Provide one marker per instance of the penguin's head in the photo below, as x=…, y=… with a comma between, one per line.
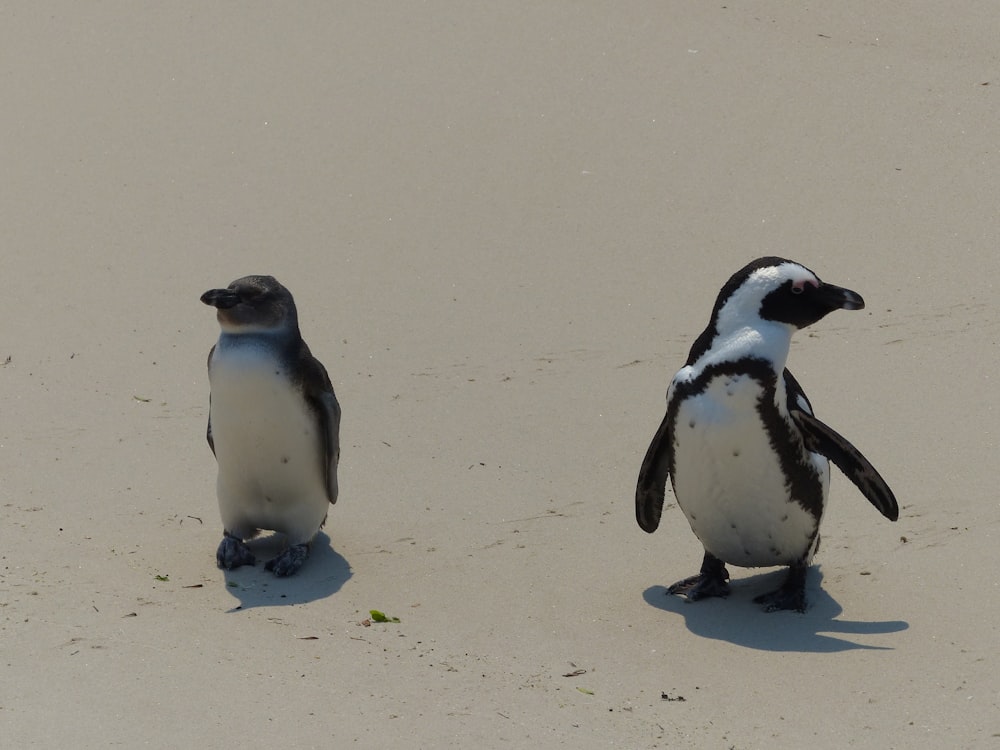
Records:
x=253, y=304
x=780, y=291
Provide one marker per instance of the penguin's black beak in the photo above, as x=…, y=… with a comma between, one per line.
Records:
x=221, y=298
x=838, y=298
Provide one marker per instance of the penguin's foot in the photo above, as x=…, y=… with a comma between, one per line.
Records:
x=289, y=561
x=711, y=581
x=233, y=553
x=791, y=595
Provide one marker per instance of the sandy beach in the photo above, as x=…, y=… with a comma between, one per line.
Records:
x=503, y=224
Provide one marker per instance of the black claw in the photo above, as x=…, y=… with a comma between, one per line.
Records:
x=289, y=561
x=233, y=552
x=791, y=596
x=711, y=581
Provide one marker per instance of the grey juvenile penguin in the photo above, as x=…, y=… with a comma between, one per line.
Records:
x=273, y=424
x=745, y=455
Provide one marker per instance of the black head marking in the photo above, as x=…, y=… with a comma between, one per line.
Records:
x=773, y=289
x=802, y=304
x=704, y=340
x=739, y=278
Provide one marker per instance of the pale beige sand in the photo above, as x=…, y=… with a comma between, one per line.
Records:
x=504, y=226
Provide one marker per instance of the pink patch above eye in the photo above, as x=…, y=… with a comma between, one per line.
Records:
x=801, y=285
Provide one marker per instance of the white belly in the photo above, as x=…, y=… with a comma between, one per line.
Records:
x=729, y=482
x=268, y=448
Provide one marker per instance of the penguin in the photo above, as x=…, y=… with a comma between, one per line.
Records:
x=747, y=459
x=273, y=425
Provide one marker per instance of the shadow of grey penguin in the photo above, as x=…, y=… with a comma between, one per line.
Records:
x=324, y=576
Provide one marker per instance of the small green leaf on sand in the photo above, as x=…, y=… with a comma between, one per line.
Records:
x=585, y=691
x=141, y=399
x=162, y=578
x=381, y=616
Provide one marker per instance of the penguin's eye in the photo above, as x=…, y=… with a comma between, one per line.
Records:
x=797, y=290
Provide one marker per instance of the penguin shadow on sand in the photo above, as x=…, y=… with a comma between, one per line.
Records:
x=322, y=575
x=738, y=620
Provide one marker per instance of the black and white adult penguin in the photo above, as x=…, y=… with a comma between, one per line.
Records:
x=274, y=424
x=746, y=457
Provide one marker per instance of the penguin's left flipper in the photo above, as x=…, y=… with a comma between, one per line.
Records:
x=649, y=491
x=331, y=443
x=823, y=439
x=318, y=391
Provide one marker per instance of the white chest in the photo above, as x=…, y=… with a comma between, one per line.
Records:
x=266, y=438
x=729, y=481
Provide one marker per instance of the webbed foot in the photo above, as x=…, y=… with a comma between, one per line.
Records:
x=233, y=552
x=289, y=561
x=711, y=581
x=791, y=595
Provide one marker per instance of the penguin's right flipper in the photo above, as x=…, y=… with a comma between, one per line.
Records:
x=652, y=483
x=823, y=439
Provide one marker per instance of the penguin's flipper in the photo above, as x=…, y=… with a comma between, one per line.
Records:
x=331, y=442
x=651, y=487
x=318, y=391
x=823, y=439
x=208, y=431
